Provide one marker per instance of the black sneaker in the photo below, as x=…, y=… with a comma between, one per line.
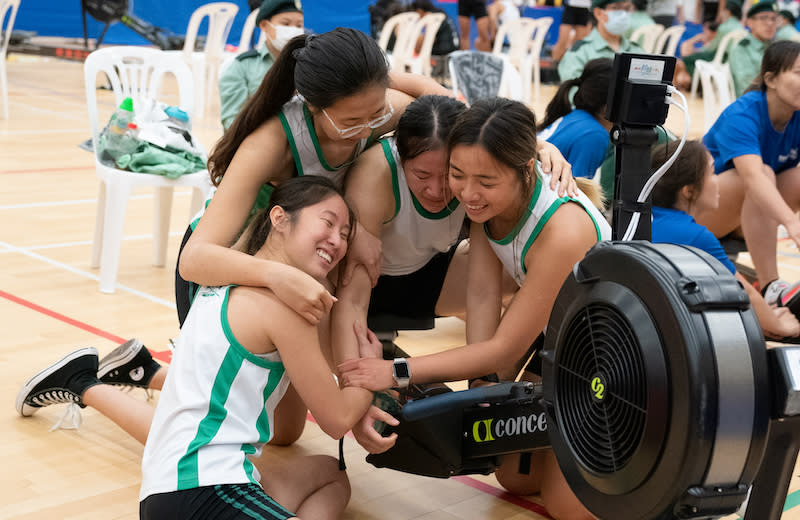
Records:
x=64, y=381
x=130, y=364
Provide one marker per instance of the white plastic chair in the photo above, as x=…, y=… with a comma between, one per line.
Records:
x=401, y=25
x=205, y=64
x=427, y=26
x=530, y=68
x=727, y=42
x=8, y=8
x=245, y=42
x=135, y=72
x=718, y=90
x=478, y=75
x=646, y=36
x=667, y=41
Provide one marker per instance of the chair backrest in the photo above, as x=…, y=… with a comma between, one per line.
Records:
x=715, y=79
x=427, y=27
x=519, y=32
x=479, y=75
x=220, y=19
x=542, y=26
x=6, y=7
x=138, y=73
x=246, y=41
x=646, y=36
x=394, y=25
x=667, y=42
x=727, y=42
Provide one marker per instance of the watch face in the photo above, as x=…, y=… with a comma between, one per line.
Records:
x=401, y=369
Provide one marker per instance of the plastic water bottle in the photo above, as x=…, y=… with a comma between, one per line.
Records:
x=121, y=137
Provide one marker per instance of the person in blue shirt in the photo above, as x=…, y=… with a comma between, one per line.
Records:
x=581, y=134
x=756, y=146
x=688, y=188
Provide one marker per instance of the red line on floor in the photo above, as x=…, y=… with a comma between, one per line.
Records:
x=166, y=356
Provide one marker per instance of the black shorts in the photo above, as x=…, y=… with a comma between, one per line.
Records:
x=220, y=502
x=411, y=295
x=472, y=8
x=575, y=15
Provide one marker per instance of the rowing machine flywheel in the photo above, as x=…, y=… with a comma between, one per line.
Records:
x=655, y=373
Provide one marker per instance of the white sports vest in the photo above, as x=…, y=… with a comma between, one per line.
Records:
x=511, y=249
x=200, y=437
x=413, y=235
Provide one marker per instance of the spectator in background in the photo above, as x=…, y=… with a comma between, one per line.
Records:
x=709, y=11
x=613, y=19
x=575, y=25
x=711, y=36
x=581, y=133
x=786, y=28
x=280, y=20
x=381, y=11
x=664, y=12
x=474, y=9
x=745, y=57
x=639, y=18
x=446, y=40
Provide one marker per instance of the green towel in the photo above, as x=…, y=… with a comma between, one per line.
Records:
x=170, y=162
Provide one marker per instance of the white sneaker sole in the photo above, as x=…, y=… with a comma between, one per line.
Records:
x=119, y=356
x=31, y=383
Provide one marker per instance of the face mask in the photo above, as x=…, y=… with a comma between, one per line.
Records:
x=619, y=21
x=284, y=33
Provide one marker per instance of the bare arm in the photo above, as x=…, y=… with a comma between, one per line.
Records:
x=208, y=258
x=258, y=320
x=525, y=318
x=368, y=189
x=775, y=322
x=416, y=85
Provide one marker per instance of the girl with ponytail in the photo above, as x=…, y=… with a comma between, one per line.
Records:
x=581, y=134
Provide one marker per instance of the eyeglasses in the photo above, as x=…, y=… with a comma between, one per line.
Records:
x=351, y=131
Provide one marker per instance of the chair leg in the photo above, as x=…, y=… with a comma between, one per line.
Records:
x=117, y=194
x=695, y=81
x=162, y=209
x=198, y=199
x=99, y=219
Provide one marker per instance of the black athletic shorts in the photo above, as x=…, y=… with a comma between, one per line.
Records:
x=412, y=295
x=472, y=8
x=220, y=502
x=575, y=15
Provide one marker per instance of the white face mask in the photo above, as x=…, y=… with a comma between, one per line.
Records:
x=619, y=21
x=284, y=33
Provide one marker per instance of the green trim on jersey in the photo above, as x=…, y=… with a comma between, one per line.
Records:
x=288, y=131
x=387, y=152
x=444, y=213
x=313, y=133
x=513, y=233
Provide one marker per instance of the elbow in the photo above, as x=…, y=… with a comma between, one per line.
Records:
x=335, y=427
x=187, y=262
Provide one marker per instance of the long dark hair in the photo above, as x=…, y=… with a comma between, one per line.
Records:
x=322, y=68
x=425, y=125
x=779, y=57
x=689, y=169
x=293, y=196
x=591, y=96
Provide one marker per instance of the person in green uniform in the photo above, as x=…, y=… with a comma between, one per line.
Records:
x=639, y=18
x=745, y=57
x=613, y=19
x=731, y=21
x=280, y=21
x=786, y=29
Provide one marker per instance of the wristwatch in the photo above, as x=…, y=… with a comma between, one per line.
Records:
x=401, y=372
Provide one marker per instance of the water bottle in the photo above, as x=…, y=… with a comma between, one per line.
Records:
x=121, y=137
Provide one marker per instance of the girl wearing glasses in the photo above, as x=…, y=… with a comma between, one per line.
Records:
x=523, y=227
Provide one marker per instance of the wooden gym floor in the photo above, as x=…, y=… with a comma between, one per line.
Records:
x=50, y=305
